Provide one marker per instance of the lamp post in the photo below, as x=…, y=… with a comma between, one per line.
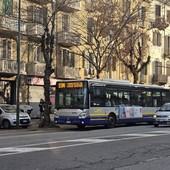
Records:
x=18, y=62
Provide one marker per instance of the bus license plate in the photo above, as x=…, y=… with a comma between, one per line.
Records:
x=68, y=122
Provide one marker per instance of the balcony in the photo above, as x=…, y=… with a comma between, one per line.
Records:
x=69, y=5
x=68, y=38
x=10, y=24
x=8, y=66
x=35, y=30
x=159, y=79
x=68, y=72
x=35, y=69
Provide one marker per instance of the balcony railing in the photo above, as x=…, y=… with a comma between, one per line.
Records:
x=67, y=72
x=8, y=66
x=69, y=5
x=35, y=29
x=68, y=38
x=159, y=79
x=11, y=24
x=41, y=1
x=35, y=69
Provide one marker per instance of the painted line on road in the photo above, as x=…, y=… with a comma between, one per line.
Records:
x=86, y=141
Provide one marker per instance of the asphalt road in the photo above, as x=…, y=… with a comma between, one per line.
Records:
x=96, y=148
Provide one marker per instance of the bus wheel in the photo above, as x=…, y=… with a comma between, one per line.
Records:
x=111, y=121
x=156, y=125
x=81, y=126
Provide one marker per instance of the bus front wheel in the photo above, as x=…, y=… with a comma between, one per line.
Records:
x=81, y=126
x=111, y=121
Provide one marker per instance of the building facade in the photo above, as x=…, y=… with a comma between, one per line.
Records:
x=67, y=62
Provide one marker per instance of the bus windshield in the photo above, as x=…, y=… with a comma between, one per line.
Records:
x=71, y=95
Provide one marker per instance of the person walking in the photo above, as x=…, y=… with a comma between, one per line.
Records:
x=41, y=106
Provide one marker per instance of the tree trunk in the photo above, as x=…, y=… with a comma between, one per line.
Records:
x=135, y=76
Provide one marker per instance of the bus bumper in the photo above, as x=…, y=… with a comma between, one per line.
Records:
x=71, y=120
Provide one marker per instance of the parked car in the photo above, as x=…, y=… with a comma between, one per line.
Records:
x=162, y=116
x=8, y=117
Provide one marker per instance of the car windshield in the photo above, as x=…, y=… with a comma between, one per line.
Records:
x=165, y=107
x=9, y=109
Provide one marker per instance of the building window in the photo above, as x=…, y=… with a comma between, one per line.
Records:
x=156, y=38
x=7, y=7
x=37, y=14
x=65, y=23
x=158, y=67
x=157, y=11
x=90, y=24
x=142, y=15
x=168, y=68
x=37, y=54
x=5, y=49
x=88, y=5
x=68, y=58
x=168, y=16
x=126, y=6
x=167, y=45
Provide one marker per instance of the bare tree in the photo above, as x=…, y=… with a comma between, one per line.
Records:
x=100, y=28
x=47, y=47
x=133, y=51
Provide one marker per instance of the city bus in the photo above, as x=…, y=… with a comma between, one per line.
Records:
x=107, y=102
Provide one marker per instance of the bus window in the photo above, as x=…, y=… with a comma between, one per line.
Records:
x=165, y=97
x=124, y=97
x=148, y=99
x=156, y=99
x=97, y=97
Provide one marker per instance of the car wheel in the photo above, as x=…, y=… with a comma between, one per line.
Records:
x=24, y=127
x=6, y=124
x=156, y=125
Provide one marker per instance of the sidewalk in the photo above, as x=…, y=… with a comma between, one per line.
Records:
x=30, y=130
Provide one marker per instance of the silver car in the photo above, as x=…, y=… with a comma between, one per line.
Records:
x=8, y=117
x=162, y=116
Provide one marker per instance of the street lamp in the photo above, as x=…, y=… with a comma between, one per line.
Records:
x=18, y=62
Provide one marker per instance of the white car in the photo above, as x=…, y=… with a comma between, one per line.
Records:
x=162, y=116
x=8, y=117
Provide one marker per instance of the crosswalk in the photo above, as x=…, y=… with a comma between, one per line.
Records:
x=37, y=147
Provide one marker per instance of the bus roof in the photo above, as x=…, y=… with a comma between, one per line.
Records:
x=105, y=82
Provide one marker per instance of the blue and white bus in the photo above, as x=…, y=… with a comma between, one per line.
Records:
x=107, y=102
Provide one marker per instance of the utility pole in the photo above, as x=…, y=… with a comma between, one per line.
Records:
x=18, y=61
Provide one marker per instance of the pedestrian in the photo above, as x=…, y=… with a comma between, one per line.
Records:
x=41, y=106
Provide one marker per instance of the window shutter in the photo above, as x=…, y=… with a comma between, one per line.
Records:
x=168, y=16
x=154, y=38
x=159, y=39
x=168, y=69
x=166, y=45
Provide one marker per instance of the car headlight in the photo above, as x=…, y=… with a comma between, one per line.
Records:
x=168, y=116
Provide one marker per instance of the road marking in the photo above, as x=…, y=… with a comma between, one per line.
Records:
x=77, y=142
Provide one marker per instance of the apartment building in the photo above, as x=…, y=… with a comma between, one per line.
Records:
x=67, y=62
x=160, y=42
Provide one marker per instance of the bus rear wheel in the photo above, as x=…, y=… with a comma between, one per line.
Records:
x=111, y=121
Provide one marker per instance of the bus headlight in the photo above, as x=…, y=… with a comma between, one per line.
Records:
x=82, y=115
x=154, y=116
x=55, y=112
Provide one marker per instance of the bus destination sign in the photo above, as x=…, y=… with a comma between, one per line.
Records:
x=70, y=85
